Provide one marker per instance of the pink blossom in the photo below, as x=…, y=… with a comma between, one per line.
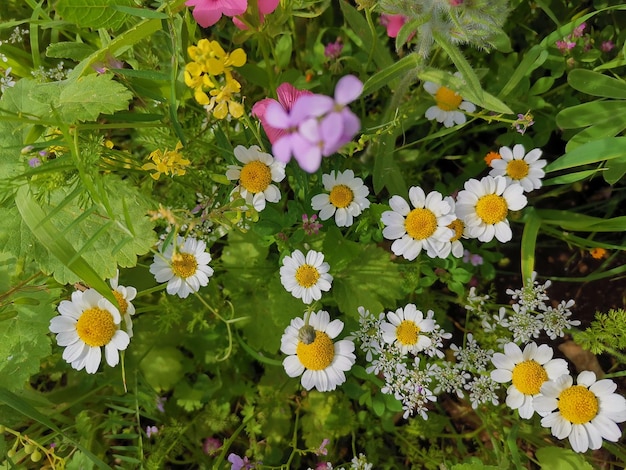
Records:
x=393, y=23
x=312, y=227
x=316, y=126
x=265, y=7
x=209, y=12
x=565, y=46
x=579, y=30
x=287, y=96
x=333, y=49
x=607, y=46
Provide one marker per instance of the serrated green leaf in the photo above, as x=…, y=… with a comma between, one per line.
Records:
x=69, y=50
x=87, y=97
x=557, y=458
x=93, y=13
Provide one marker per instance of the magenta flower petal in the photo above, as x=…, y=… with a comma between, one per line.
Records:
x=268, y=6
x=312, y=105
x=288, y=94
x=276, y=116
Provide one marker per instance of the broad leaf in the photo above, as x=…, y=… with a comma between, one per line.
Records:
x=93, y=13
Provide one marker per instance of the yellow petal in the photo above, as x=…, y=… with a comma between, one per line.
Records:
x=237, y=58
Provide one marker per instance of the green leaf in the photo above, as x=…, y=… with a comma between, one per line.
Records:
x=163, y=368
x=69, y=50
x=87, y=97
x=532, y=60
x=532, y=222
x=596, y=84
x=615, y=170
x=571, y=177
x=594, y=113
x=463, y=66
x=140, y=12
x=93, y=13
x=569, y=220
x=388, y=74
x=283, y=50
x=592, y=152
x=557, y=458
x=25, y=341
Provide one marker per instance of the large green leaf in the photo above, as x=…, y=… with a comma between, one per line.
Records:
x=595, y=113
x=596, y=84
x=87, y=243
x=24, y=318
x=93, y=13
x=591, y=152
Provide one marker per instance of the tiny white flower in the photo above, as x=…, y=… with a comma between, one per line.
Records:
x=484, y=205
x=423, y=228
x=306, y=277
x=527, y=371
x=449, y=105
x=184, y=265
x=585, y=413
x=346, y=198
x=255, y=178
x=520, y=167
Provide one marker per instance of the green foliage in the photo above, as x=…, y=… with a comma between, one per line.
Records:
x=561, y=459
x=94, y=13
x=607, y=333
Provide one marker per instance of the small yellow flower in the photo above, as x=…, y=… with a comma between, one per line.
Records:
x=168, y=162
x=597, y=253
x=222, y=103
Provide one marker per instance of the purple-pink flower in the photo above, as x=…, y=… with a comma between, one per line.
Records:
x=607, y=46
x=287, y=96
x=316, y=126
x=311, y=226
x=333, y=49
x=237, y=463
x=209, y=12
x=393, y=23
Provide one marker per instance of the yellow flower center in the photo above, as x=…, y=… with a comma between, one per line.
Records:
x=420, y=223
x=528, y=377
x=255, y=176
x=184, y=265
x=492, y=209
x=341, y=196
x=578, y=405
x=407, y=332
x=457, y=225
x=121, y=302
x=307, y=275
x=447, y=99
x=517, y=169
x=96, y=327
x=317, y=355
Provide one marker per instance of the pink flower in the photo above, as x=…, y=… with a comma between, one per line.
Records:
x=317, y=125
x=565, y=46
x=265, y=7
x=287, y=96
x=209, y=12
x=333, y=49
x=607, y=46
x=393, y=23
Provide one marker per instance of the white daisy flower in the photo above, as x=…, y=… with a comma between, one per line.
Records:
x=259, y=170
x=124, y=296
x=586, y=412
x=404, y=328
x=88, y=322
x=425, y=227
x=528, y=371
x=184, y=265
x=306, y=278
x=448, y=104
x=483, y=206
x=457, y=226
x=520, y=167
x=346, y=199
x=312, y=353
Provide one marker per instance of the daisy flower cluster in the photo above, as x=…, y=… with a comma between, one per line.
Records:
x=209, y=61
x=394, y=344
